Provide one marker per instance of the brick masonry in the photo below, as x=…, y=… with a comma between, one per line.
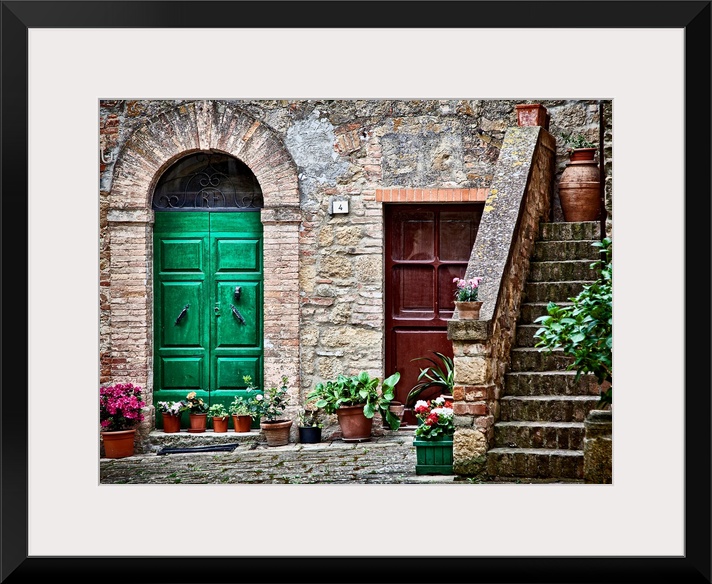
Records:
x=324, y=290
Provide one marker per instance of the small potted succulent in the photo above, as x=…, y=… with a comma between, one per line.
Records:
x=309, y=423
x=197, y=413
x=170, y=413
x=219, y=416
x=120, y=410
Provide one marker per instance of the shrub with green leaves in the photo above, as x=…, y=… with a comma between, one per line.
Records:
x=584, y=329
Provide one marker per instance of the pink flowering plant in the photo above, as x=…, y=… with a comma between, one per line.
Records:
x=467, y=290
x=172, y=408
x=120, y=407
x=435, y=419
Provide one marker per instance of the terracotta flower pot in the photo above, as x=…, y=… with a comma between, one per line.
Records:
x=468, y=310
x=171, y=423
x=220, y=424
x=277, y=432
x=242, y=423
x=198, y=423
x=355, y=426
x=119, y=443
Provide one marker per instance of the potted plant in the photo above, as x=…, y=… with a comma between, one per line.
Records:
x=120, y=410
x=269, y=408
x=355, y=400
x=197, y=413
x=219, y=416
x=440, y=376
x=171, y=412
x=580, y=184
x=434, y=436
x=467, y=293
x=309, y=424
x=241, y=414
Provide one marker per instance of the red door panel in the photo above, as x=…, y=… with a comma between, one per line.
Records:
x=426, y=247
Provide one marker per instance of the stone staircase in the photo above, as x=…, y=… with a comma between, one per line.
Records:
x=539, y=436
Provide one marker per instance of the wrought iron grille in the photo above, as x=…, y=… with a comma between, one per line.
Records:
x=208, y=181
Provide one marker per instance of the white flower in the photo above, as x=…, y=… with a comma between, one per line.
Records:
x=439, y=401
x=421, y=403
x=259, y=397
x=445, y=412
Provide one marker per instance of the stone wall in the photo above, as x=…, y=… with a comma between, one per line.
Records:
x=324, y=295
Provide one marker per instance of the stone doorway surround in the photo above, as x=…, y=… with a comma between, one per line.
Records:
x=127, y=292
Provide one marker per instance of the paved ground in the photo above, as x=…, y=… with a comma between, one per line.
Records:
x=381, y=460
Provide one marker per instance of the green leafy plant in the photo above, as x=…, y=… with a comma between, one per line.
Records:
x=440, y=374
x=239, y=407
x=217, y=411
x=584, y=328
x=309, y=418
x=247, y=405
x=270, y=405
x=359, y=389
x=574, y=141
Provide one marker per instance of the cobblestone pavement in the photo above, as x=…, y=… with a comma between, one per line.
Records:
x=381, y=460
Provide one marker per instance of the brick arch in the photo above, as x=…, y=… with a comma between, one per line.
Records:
x=149, y=150
x=200, y=126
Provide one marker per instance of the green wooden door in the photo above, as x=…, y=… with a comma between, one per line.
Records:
x=208, y=305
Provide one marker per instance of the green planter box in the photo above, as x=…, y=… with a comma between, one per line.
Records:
x=433, y=456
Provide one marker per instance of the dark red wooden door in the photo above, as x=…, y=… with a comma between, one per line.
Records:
x=426, y=247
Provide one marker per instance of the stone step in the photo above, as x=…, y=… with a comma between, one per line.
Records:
x=550, y=383
x=562, y=231
x=530, y=311
x=556, y=435
x=525, y=335
x=549, y=251
x=535, y=463
x=535, y=359
x=552, y=291
x=158, y=439
x=562, y=271
x=546, y=408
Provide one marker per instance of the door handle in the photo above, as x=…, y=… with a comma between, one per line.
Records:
x=236, y=314
x=182, y=313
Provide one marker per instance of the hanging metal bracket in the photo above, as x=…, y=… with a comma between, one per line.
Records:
x=182, y=313
x=237, y=314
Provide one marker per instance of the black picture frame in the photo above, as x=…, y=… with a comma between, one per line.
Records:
x=692, y=16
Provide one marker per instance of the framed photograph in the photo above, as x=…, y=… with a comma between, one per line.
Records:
x=650, y=59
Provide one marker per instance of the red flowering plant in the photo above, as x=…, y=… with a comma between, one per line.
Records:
x=435, y=419
x=120, y=407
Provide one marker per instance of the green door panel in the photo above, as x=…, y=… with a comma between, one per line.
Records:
x=208, y=305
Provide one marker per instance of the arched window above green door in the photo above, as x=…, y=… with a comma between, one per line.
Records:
x=208, y=181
